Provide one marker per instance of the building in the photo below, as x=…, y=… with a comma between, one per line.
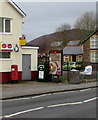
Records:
x=13, y=48
x=72, y=52
x=90, y=50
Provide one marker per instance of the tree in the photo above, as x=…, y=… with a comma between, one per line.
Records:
x=63, y=27
x=87, y=21
x=60, y=38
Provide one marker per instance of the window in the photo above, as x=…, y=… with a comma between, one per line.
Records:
x=94, y=42
x=80, y=58
x=94, y=56
x=1, y=24
x=5, y=25
x=66, y=58
x=5, y=55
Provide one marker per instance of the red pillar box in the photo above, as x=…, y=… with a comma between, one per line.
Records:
x=14, y=73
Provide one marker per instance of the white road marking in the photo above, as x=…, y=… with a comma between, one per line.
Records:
x=18, y=113
x=25, y=98
x=75, y=103
x=64, y=92
x=41, y=95
x=64, y=104
x=85, y=90
x=51, y=106
x=90, y=99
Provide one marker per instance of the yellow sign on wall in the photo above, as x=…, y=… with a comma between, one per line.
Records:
x=22, y=42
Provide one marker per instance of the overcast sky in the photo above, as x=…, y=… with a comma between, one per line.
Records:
x=44, y=17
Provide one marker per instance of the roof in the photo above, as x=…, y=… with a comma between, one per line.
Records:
x=76, y=42
x=72, y=50
x=17, y=8
x=89, y=36
x=29, y=47
x=56, y=43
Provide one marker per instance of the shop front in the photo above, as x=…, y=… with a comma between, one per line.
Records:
x=24, y=57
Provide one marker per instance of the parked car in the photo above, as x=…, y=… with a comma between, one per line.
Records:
x=72, y=65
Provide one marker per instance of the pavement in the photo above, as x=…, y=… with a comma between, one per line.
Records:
x=32, y=88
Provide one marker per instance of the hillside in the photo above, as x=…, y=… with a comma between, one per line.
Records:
x=44, y=42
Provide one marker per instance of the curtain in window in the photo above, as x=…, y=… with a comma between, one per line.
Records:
x=94, y=42
x=94, y=56
x=7, y=26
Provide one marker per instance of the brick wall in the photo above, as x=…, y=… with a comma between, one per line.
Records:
x=86, y=52
x=86, y=55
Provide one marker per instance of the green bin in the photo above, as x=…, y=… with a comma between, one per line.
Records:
x=43, y=73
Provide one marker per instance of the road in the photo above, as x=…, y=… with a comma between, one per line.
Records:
x=71, y=104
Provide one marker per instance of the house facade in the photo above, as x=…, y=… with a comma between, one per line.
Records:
x=73, y=52
x=12, y=51
x=90, y=50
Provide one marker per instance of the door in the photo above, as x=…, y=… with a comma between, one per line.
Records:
x=73, y=58
x=26, y=67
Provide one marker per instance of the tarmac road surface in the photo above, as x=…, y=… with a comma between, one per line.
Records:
x=71, y=104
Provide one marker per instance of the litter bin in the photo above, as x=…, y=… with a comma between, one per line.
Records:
x=74, y=77
x=43, y=73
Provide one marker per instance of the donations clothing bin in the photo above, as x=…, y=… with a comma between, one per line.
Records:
x=14, y=73
x=43, y=72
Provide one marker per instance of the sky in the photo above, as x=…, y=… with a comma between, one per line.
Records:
x=45, y=16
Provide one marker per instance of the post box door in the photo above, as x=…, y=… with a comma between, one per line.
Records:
x=26, y=67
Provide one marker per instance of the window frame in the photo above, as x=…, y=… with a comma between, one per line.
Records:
x=93, y=42
x=66, y=57
x=93, y=56
x=6, y=58
x=4, y=27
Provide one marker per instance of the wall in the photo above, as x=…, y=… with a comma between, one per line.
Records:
x=16, y=57
x=12, y=38
x=86, y=55
x=86, y=51
x=17, y=60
